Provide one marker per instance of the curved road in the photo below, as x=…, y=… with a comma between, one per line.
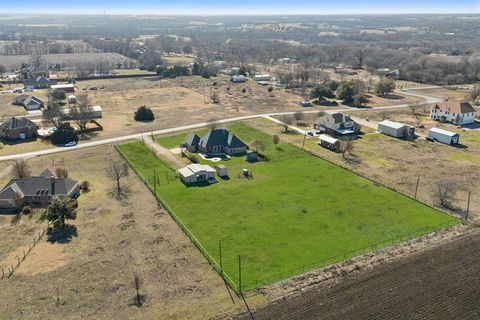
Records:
x=427, y=99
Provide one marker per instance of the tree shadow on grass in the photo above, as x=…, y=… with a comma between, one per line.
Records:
x=61, y=235
x=121, y=195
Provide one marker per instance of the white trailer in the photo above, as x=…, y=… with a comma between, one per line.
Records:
x=443, y=136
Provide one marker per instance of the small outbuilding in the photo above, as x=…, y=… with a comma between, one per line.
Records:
x=68, y=87
x=222, y=171
x=197, y=173
x=252, y=156
x=72, y=99
x=443, y=136
x=329, y=142
x=396, y=129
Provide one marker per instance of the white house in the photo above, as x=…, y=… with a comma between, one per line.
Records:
x=96, y=112
x=197, y=173
x=396, y=129
x=68, y=87
x=455, y=112
x=443, y=136
x=336, y=124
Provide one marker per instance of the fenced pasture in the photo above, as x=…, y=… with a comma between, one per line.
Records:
x=298, y=212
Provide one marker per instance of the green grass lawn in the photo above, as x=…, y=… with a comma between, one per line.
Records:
x=297, y=211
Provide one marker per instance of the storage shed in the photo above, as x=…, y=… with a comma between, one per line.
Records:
x=222, y=171
x=329, y=142
x=396, y=129
x=197, y=173
x=443, y=136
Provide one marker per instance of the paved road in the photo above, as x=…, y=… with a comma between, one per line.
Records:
x=342, y=108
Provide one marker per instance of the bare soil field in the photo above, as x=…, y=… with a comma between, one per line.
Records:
x=438, y=283
x=90, y=274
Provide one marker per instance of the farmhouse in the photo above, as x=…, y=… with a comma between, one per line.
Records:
x=337, y=124
x=28, y=102
x=455, y=112
x=69, y=87
x=443, y=136
x=215, y=141
x=396, y=129
x=329, y=142
x=18, y=129
x=197, y=173
x=36, y=191
x=39, y=82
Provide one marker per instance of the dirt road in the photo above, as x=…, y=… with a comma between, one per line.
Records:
x=441, y=283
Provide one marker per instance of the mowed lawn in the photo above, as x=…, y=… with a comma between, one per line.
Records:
x=297, y=211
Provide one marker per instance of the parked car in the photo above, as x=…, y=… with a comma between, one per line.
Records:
x=310, y=133
x=70, y=144
x=305, y=104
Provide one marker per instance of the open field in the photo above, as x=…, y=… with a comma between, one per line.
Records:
x=177, y=60
x=439, y=283
x=320, y=210
x=398, y=163
x=91, y=275
x=64, y=58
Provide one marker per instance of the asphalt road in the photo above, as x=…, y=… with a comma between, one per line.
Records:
x=427, y=99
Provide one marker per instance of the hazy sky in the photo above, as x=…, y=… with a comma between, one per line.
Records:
x=240, y=6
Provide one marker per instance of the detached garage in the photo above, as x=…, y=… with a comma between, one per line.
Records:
x=443, y=136
x=396, y=129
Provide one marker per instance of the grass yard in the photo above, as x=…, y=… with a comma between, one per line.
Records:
x=297, y=211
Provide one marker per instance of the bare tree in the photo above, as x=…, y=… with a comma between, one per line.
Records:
x=445, y=192
x=215, y=98
x=413, y=107
x=286, y=121
x=346, y=147
x=257, y=145
x=116, y=171
x=474, y=94
x=82, y=112
x=20, y=169
x=298, y=115
x=61, y=173
x=54, y=114
x=276, y=140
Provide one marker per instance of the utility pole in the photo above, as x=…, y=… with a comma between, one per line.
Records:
x=416, y=188
x=468, y=206
x=304, y=137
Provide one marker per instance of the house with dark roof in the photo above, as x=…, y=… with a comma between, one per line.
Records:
x=215, y=141
x=456, y=112
x=337, y=124
x=28, y=102
x=17, y=128
x=40, y=82
x=36, y=191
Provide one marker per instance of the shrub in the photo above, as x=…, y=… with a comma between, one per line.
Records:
x=85, y=186
x=144, y=113
x=26, y=210
x=64, y=134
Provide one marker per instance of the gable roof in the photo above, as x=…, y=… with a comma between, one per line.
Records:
x=35, y=186
x=25, y=99
x=47, y=174
x=18, y=123
x=192, y=139
x=455, y=106
x=221, y=137
x=340, y=117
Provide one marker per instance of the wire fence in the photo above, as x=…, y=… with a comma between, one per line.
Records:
x=7, y=271
x=240, y=287
x=216, y=266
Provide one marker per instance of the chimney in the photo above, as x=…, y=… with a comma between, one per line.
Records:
x=52, y=182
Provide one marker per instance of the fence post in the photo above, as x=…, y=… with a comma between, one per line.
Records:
x=239, y=274
x=468, y=206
